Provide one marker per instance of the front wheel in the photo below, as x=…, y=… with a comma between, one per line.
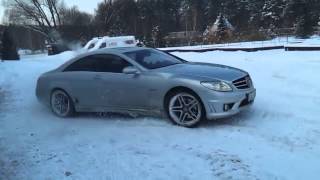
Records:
x=61, y=104
x=185, y=109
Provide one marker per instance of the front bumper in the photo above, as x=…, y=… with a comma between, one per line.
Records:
x=225, y=104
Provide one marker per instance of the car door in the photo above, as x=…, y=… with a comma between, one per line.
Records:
x=81, y=77
x=119, y=90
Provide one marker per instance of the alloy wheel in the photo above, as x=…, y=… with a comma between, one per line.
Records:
x=60, y=103
x=185, y=109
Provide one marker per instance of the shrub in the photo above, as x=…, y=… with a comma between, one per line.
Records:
x=9, y=48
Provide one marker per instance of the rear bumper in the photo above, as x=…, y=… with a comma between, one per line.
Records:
x=222, y=105
x=42, y=93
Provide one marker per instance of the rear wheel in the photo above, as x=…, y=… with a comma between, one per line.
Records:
x=61, y=104
x=185, y=109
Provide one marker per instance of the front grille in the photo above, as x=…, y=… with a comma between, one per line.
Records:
x=243, y=83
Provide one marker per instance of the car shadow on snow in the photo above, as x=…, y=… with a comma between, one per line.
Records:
x=124, y=118
x=240, y=119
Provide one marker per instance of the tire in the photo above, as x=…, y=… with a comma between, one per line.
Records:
x=61, y=104
x=185, y=109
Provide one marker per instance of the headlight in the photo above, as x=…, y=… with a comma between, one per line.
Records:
x=217, y=86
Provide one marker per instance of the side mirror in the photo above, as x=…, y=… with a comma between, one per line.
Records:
x=130, y=70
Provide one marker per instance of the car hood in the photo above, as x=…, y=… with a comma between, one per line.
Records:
x=205, y=71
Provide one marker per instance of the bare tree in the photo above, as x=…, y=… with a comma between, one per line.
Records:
x=40, y=15
x=74, y=17
x=106, y=14
x=109, y=12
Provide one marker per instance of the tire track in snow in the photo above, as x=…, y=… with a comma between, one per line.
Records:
x=222, y=164
x=12, y=157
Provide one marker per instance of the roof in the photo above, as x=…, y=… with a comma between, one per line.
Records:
x=117, y=50
x=120, y=49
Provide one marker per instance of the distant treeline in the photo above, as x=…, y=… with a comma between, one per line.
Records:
x=25, y=38
x=152, y=20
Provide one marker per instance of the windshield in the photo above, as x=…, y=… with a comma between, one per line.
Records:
x=152, y=59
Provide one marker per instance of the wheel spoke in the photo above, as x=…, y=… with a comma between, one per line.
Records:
x=60, y=103
x=56, y=104
x=177, y=111
x=193, y=104
x=183, y=117
x=192, y=115
x=181, y=101
x=61, y=108
x=176, y=108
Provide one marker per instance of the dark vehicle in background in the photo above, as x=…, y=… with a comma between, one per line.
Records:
x=57, y=48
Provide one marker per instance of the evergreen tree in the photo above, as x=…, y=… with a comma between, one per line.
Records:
x=237, y=13
x=213, y=8
x=300, y=14
x=146, y=20
x=139, y=17
x=304, y=26
x=223, y=29
x=254, y=8
x=9, y=48
x=271, y=14
x=314, y=9
x=155, y=36
x=292, y=11
x=194, y=14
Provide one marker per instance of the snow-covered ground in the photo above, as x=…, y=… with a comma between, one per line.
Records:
x=314, y=41
x=278, y=138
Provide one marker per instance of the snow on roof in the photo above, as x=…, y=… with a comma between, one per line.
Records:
x=93, y=41
x=110, y=42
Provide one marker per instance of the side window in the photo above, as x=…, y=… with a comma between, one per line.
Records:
x=83, y=64
x=110, y=63
x=103, y=45
x=99, y=63
x=91, y=46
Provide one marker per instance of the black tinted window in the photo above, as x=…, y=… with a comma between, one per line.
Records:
x=84, y=64
x=91, y=46
x=110, y=63
x=152, y=59
x=99, y=63
x=103, y=45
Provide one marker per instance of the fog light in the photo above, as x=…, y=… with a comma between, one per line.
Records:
x=227, y=107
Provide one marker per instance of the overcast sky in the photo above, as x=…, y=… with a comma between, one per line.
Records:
x=84, y=5
x=1, y=11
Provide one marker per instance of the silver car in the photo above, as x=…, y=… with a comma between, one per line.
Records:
x=145, y=81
